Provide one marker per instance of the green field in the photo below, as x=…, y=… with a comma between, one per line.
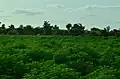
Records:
x=59, y=57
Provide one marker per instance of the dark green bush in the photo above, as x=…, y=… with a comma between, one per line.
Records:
x=37, y=55
x=11, y=66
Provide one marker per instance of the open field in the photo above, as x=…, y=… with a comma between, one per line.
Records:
x=59, y=57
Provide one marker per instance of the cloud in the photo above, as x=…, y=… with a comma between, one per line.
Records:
x=118, y=21
x=98, y=6
x=55, y=6
x=90, y=14
x=5, y=16
x=28, y=12
x=1, y=11
x=89, y=7
x=68, y=9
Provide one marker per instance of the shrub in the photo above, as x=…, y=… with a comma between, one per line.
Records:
x=50, y=70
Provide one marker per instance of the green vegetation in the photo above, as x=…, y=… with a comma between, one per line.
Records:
x=49, y=29
x=59, y=57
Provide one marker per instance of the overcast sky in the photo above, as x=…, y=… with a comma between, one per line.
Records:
x=91, y=13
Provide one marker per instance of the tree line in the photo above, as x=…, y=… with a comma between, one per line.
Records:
x=48, y=29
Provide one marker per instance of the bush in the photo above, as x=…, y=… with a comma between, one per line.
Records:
x=37, y=55
x=50, y=70
x=10, y=66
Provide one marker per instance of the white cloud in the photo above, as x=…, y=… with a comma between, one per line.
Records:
x=88, y=7
x=5, y=16
x=28, y=12
x=68, y=9
x=99, y=6
x=55, y=6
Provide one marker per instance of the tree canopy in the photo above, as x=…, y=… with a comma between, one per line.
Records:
x=49, y=29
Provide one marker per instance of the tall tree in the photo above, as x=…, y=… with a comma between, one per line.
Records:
x=105, y=31
x=11, y=27
x=47, y=28
x=95, y=31
x=78, y=29
x=11, y=30
x=3, y=29
x=28, y=30
x=115, y=32
x=20, y=30
x=108, y=28
x=55, y=29
x=38, y=30
x=3, y=26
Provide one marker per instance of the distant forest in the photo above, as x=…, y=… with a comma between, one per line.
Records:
x=48, y=29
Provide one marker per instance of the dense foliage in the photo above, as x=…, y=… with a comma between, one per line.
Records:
x=49, y=29
x=59, y=57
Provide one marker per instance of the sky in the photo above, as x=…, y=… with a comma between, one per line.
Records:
x=91, y=13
